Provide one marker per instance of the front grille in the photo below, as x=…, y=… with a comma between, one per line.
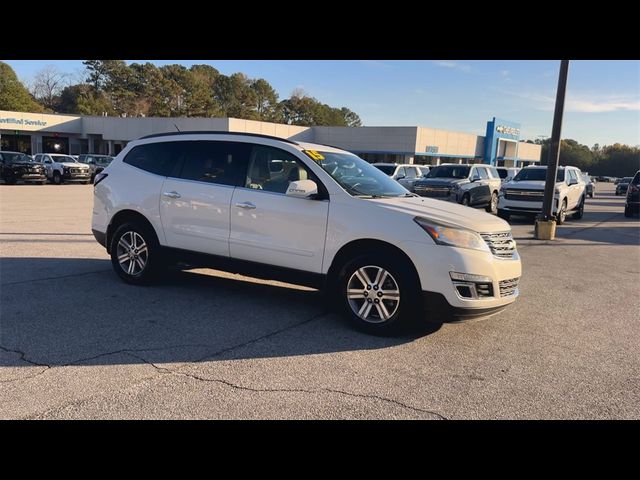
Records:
x=501, y=244
x=432, y=191
x=509, y=287
x=524, y=195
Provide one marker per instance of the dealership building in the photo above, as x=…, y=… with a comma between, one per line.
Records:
x=72, y=134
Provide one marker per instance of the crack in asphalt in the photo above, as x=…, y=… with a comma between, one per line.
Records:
x=26, y=360
x=53, y=278
x=236, y=386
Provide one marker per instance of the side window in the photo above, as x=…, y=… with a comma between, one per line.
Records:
x=411, y=172
x=401, y=172
x=272, y=169
x=222, y=163
x=494, y=172
x=572, y=176
x=155, y=158
x=47, y=159
x=473, y=174
x=483, y=172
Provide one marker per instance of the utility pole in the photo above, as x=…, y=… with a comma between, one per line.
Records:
x=546, y=223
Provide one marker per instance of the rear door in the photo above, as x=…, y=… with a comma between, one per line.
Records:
x=480, y=192
x=270, y=227
x=196, y=196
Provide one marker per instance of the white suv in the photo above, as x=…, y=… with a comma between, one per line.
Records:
x=525, y=192
x=303, y=213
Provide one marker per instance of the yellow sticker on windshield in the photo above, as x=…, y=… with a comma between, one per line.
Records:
x=315, y=155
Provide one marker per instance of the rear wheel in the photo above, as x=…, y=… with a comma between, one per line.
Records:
x=379, y=294
x=493, y=203
x=561, y=217
x=627, y=211
x=135, y=254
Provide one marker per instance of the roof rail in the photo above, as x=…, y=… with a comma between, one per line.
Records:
x=218, y=132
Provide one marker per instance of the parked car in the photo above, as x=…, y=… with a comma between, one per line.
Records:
x=622, y=185
x=405, y=174
x=304, y=213
x=590, y=184
x=525, y=193
x=507, y=173
x=632, y=201
x=96, y=162
x=63, y=168
x=19, y=167
x=424, y=170
x=470, y=185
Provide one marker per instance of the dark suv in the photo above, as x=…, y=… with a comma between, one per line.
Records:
x=471, y=185
x=96, y=162
x=632, y=202
x=16, y=166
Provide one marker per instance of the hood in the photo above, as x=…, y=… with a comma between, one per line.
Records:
x=526, y=185
x=74, y=165
x=448, y=212
x=440, y=181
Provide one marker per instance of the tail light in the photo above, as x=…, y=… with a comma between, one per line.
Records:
x=99, y=177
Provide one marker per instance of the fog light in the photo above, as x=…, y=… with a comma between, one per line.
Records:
x=469, y=277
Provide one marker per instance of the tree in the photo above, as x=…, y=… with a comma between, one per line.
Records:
x=266, y=100
x=351, y=119
x=48, y=85
x=14, y=95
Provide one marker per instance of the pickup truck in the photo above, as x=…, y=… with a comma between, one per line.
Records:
x=63, y=168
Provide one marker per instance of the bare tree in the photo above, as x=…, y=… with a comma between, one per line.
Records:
x=48, y=84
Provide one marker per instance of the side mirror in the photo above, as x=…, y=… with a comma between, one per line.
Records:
x=302, y=189
x=400, y=176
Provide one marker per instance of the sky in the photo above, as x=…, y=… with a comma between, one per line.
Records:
x=602, y=105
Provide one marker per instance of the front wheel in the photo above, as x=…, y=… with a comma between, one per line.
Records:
x=561, y=217
x=135, y=254
x=57, y=178
x=580, y=212
x=379, y=294
x=493, y=203
x=466, y=200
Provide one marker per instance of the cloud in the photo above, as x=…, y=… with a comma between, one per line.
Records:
x=375, y=64
x=581, y=102
x=455, y=65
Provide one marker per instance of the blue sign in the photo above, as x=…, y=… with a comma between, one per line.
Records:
x=498, y=129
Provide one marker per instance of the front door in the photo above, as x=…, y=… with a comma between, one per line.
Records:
x=269, y=227
x=196, y=198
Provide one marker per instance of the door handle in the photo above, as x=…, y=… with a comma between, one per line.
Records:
x=246, y=205
x=172, y=194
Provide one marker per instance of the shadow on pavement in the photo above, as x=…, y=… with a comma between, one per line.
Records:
x=76, y=311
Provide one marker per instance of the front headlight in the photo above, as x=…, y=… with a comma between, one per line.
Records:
x=452, y=236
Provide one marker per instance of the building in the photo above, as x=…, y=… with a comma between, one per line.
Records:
x=36, y=132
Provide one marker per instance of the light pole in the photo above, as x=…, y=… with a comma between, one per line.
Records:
x=546, y=223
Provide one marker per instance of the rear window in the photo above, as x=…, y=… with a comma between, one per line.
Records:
x=155, y=158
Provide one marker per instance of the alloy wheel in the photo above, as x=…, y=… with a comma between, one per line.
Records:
x=373, y=294
x=132, y=253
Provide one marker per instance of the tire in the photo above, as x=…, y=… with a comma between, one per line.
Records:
x=580, y=212
x=627, y=211
x=465, y=200
x=561, y=217
x=148, y=263
x=365, y=306
x=57, y=178
x=504, y=215
x=493, y=204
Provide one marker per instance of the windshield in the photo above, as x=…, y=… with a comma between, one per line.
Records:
x=63, y=158
x=537, y=174
x=14, y=157
x=358, y=177
x=388, y=169
x=449, y=171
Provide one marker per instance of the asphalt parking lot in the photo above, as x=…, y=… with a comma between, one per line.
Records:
x=76, y=342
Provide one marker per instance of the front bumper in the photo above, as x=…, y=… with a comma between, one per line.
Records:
x=435, y=262
x=439, y=310
x=76, y=177
x=33, y=177
x=525, y=207
x=100, y=237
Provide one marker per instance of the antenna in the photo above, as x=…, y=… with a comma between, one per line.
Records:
x=176, y=127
